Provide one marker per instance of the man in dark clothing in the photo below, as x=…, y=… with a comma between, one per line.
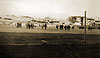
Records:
x=28, y=25
x=65, y=27
x=62, y=27
x=73, y=27
x=19, y=24
x=69, y=27
x=57, y=26
x=32, y=24
x=45, y=26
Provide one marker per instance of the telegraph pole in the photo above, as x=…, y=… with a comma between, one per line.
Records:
x=85, y=29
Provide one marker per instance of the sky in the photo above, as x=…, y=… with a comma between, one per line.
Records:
x=50, y=8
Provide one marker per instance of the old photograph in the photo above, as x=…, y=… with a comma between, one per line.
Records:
x=49, y=28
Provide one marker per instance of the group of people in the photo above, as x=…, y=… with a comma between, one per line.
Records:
x=44, y=26
x=19, y=24
x=61, y=27
x=30, y=25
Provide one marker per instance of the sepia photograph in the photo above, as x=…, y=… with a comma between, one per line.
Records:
x=49, y=28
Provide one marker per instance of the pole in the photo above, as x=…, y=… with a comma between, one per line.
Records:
x=85, y=29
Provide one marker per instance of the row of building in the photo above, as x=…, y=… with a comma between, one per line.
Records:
x=80, y=21
x=74, y=20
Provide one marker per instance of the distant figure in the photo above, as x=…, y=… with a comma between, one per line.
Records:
x=45, y=26
x=42, y=26
x=28, y=25
x=68, y=27
x=89, y=27
x=39, y=25
x=65, y=27
x=56, y=26
x=19, y=24
x=61, y=27
x=73, y=27
x=32, y=24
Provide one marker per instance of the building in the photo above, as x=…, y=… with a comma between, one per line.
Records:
x=97, y=22
x=80, y=20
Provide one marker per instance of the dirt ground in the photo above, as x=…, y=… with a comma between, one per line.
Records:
x=8, y=28
x=22, y=36
x=50, y=43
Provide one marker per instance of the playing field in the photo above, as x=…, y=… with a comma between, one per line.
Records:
x=50, y=43
x=8, y=28
x=11, y=35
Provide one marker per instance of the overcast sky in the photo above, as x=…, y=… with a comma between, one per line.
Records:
x=52, y=8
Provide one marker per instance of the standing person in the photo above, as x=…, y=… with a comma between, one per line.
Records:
x=32, y=24
x=42, y=26
x=69, y=27
x=45, y=26
x=27, y=25
x=65, y=27
x=62, y=27
x=57, y=27
x=73, y=27
x=19, y=24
